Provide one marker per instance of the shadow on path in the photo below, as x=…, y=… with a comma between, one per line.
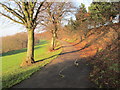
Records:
x=63, y=53
x=61, y=72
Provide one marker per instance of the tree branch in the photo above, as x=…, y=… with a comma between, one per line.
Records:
x=43, y=24
x=12, y=11
x=36, y=15
x=18, y=3
x=11, y=18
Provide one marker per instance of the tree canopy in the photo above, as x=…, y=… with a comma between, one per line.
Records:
x=102, y=12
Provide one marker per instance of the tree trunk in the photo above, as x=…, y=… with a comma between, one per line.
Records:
x=54, y=36
x=94, y=24
x=30, y=49
x=53, y=42
x=110, y=21
x=81, y=39
x=119, y=18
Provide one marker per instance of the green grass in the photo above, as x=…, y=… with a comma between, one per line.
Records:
x=12, y=73
x=71, y=40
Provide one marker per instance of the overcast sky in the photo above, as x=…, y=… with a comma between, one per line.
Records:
x=10, y=28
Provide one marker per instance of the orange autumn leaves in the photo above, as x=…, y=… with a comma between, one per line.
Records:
x=96, y=42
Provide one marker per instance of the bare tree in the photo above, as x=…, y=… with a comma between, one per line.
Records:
x=53, y=16
x=25, y=13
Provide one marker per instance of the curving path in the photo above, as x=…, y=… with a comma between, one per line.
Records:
x=63, y=72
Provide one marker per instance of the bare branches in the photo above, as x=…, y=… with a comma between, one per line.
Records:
x=11, y=18
x=57, y=11
x=38, y=10
x=8, y=9
x=43, y=24
x=20, y=11
x=26, y=12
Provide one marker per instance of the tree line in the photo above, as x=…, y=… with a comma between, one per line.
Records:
x=98, y=14
x=16, y=42
x=50, y=15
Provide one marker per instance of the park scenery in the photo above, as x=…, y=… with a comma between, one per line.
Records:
x=63, y=45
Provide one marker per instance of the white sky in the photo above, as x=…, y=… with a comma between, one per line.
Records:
x=10, y=28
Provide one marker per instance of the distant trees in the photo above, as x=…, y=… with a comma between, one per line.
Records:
x=82, y=21
x=16, y=42
x=25, y=13
x=80, y=25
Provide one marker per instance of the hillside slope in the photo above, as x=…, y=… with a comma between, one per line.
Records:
x=100, y=49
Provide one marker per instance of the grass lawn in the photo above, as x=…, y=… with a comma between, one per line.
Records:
x=70, y=40
x=12, y=73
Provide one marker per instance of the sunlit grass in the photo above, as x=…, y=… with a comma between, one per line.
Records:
x=70, y=40
x=12, y=73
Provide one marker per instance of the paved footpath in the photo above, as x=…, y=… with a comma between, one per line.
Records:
x=63, y=72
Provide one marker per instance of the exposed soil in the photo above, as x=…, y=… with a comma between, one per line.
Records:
x=67, y=71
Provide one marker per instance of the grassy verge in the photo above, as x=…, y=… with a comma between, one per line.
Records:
x=12, y=73
x=70, y=40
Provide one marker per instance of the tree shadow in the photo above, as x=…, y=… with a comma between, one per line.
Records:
x=77, y=43
x=18, y=51
x=63, y=53
x=23, y=50
x=74, y=50
x=46, y=58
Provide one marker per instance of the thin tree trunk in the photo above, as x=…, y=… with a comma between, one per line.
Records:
x=110, y=21
x=30, y=49
x=94, y=24
x=119, y=18
x=53, y=42
x=81, y=39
